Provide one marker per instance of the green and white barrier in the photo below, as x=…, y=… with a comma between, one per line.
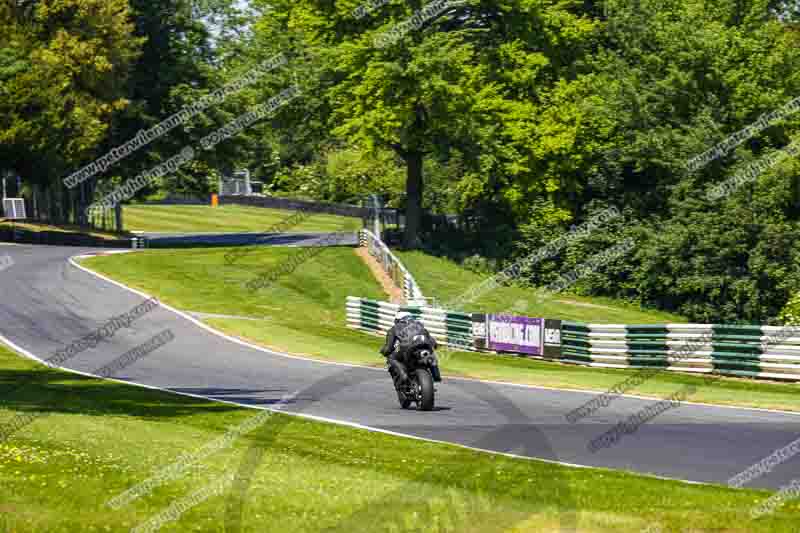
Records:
x=747, y=351
x=768, y=352
x=449, y=328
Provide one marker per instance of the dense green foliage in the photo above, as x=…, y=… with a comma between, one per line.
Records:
x=81, y=77
x=63, y=73
x=520, y=116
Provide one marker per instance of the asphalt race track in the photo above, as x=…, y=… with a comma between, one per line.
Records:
x=47, y=303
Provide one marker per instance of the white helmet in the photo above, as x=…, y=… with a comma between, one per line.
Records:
x=401, y=315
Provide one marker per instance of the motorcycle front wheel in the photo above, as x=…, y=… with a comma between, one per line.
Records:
x=423, y=389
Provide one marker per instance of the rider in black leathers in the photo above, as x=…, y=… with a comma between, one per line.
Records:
x=395, y=351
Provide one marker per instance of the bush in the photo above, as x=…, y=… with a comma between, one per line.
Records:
x=480, y=265
x=737, y=261
x=345, y=175
x=790, y=315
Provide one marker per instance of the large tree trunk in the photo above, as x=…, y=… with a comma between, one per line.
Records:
x=414, y=188
x=118, y=227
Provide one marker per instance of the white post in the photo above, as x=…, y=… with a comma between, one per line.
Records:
x=247, y=189
x=377, y=222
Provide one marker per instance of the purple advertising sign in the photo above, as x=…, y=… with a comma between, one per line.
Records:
x=508, y=333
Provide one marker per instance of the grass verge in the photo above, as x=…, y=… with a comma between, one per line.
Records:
x=304, y=313
x=93, y=439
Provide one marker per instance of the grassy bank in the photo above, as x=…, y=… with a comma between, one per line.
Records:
x=304, y=313
x=225, y=219
x=100, y=438
x=447, y=282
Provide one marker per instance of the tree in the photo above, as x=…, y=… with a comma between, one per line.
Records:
x=457, y=83
x=63, y=69
x=176, y=67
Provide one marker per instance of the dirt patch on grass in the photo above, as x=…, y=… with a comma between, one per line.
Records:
x=393, y=291
x=584, y=304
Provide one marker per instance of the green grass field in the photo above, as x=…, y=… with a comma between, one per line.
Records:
x=304, y=313
x=446, y=281
x=225, y=219
x=91, y=440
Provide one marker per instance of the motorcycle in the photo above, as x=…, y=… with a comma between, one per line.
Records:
x=422, y=368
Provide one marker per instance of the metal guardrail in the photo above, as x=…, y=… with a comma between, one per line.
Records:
x=400, y=275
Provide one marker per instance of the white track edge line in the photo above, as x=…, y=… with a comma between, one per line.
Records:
x=348, y=423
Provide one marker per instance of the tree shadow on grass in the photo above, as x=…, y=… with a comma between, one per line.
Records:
x=51, y=392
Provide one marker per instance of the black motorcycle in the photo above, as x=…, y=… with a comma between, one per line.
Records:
x=422, y=368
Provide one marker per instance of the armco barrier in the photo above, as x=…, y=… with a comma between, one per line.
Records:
x=392, y=266
x=747, y=351
x=448, y=328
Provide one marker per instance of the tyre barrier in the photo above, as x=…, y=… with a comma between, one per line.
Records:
x=766, y=352
x=449, y=328
x=771, y=352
